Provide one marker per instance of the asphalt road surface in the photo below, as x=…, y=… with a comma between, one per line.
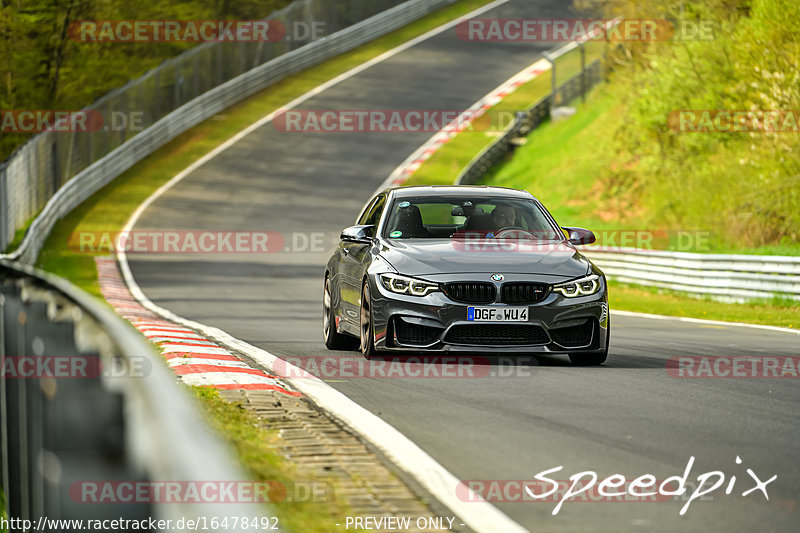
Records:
x=629, y=417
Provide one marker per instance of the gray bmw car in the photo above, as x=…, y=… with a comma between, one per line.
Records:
x=464, y=269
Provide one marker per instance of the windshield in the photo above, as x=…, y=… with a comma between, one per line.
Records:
x=436, y=217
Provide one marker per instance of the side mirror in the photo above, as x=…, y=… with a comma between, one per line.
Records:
x=579, y=235
x=362, y=234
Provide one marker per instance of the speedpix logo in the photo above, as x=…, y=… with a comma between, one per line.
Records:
x=588, y=486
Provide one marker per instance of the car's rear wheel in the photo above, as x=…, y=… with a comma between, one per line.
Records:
x=367, y=335
x=333, y=339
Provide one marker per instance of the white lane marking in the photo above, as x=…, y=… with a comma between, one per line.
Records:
x=477, y=514
x=705, y=321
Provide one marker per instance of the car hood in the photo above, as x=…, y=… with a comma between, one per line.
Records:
x=419, y=257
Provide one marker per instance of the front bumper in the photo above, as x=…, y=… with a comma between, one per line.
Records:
x=435, y=323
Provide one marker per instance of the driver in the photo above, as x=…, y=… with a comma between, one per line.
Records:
x=503, y=216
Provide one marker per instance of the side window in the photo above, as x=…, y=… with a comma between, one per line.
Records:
x=365, y=214
x=375, y=212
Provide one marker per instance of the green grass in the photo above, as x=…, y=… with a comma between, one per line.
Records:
x=778, y=312
x=443, y=167
x=19, y=235
x=111, y=207
x=553, y=164
x=254, y=446
x=3, y=512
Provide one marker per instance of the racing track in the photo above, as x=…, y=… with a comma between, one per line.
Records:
x=628, y=417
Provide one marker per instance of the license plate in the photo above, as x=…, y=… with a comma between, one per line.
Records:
x=497, y=314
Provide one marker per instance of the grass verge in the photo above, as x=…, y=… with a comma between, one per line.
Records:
x=552, y=164
x=18, y=236
x=254, y=446
x=778, y=312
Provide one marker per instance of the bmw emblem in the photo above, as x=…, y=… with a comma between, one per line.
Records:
x=498, y=277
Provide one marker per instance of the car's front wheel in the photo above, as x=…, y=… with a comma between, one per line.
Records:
x=333, y=339
x=367, y=334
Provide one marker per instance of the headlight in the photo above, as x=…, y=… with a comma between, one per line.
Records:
x=405, y=285
x=579, y=287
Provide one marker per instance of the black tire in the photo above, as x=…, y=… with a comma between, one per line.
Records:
x=333, y=339
x=367, y=339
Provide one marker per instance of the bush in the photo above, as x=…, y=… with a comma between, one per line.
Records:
x=744, y=186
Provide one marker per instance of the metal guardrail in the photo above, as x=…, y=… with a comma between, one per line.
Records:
x=730, y=277
x=130, y=422
x=528, y=120
x=55, y=172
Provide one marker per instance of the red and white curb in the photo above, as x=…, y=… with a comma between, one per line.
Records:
x=196, y=360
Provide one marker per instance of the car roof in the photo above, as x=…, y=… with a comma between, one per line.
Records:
x=456, y=190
